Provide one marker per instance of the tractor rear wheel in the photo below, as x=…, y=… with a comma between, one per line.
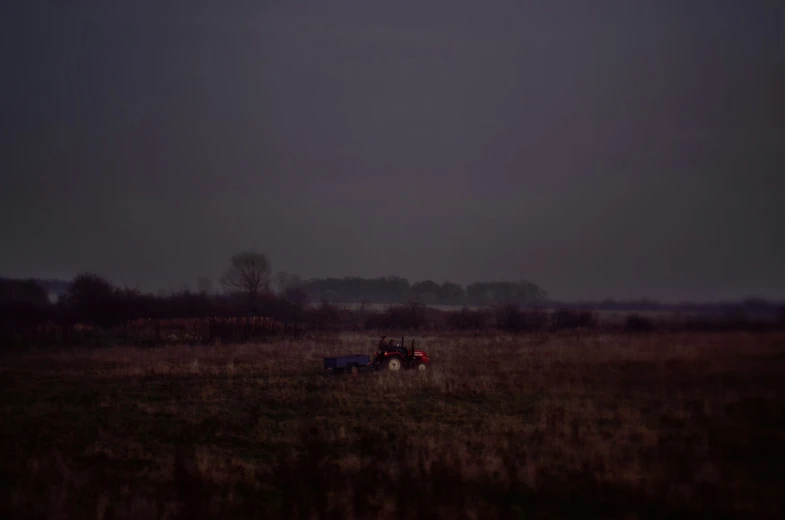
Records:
x=393, y=364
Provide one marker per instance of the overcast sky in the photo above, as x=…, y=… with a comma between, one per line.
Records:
x=603, y=148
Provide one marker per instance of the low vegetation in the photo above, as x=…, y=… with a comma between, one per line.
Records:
x=623, y=425
x=95, y=312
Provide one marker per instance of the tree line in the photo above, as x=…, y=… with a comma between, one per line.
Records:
x=250, y=289
x=397, y=290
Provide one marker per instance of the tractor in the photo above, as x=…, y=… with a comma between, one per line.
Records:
x=390, y=356
x=394, y=356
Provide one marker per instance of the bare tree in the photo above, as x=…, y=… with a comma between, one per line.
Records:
x=249, y=272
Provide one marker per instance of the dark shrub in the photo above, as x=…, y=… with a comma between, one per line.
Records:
x=512, y=318
x=568, y=319
x=93, y=299
x=638, y=324
x=324, y=317
x=781, y=318
x=22, y=291
x=508, y=317
x=467, y=319
x=410, y=316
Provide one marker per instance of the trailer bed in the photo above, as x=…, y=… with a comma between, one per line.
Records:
x=340, y=363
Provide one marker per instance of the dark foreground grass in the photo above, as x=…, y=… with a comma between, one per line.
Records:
x=502, y=427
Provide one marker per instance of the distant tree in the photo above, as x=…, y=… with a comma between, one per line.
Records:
x=22, y=291
x=286, y=281
x=426, y=292
x=527, y=293
x=181, y=288
x=451, y=293
x=204, y=284
x=90, y=288
x=249, y=273
x=389, y=289
x=92, y=297
x=295, y=295
x=523, y=293
x=397, y=289
x=478, y=293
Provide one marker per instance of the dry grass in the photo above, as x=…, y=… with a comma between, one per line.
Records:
x=502, y=427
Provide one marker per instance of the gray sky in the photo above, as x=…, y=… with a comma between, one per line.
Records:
x=604, y=148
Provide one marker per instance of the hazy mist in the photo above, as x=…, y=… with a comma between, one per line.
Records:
x=620, y=149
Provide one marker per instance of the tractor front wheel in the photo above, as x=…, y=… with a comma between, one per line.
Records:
x=422, y=367
x=393, y=364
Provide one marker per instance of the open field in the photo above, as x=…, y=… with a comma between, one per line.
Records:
x=612, y=426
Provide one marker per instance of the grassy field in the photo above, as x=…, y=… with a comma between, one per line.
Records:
x=688, y=425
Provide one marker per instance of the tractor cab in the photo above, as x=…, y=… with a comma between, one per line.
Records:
x=391, y=346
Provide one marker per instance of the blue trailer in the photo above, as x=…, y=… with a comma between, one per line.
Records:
x=351, y=363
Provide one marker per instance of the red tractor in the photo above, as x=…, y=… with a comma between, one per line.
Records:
x=394, y=357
